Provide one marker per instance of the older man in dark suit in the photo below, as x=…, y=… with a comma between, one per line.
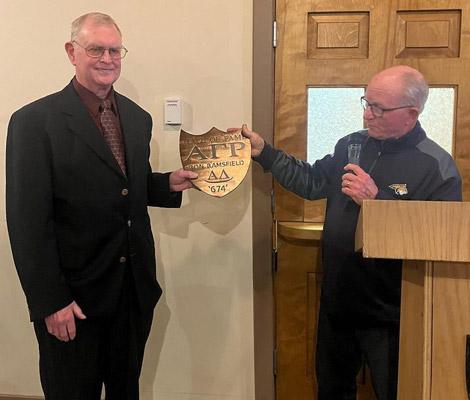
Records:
x=78, y=186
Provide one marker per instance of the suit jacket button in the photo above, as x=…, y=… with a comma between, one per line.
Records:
x=122, y=260
x=125, y=192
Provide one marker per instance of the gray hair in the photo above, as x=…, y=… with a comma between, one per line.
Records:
x=96, y=17
x=415, y=89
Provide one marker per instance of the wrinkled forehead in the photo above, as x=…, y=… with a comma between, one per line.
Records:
x=101, y=36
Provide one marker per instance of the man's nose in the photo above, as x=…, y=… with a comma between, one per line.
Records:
x=106, y=57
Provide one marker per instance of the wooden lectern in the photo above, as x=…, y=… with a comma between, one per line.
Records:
x=433, y=239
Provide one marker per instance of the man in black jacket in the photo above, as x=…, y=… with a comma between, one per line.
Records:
x=360, y=299
x=78, y=186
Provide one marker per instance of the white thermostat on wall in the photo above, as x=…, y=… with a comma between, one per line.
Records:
x=173, y=111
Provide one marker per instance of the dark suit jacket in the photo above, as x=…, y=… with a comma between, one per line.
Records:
x=75, y=221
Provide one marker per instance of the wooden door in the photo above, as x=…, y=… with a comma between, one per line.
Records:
x=343, y=43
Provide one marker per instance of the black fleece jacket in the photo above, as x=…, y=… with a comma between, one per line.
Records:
x=358, y=291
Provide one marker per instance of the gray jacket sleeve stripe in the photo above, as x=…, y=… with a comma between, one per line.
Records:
x=446, y=164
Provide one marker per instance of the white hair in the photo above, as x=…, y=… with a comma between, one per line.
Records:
x=96, y=17
x=415, y=88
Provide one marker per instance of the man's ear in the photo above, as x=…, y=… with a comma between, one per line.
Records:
x=70, y=49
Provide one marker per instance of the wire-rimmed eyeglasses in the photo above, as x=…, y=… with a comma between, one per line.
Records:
x=98, y=51
x=377, y=110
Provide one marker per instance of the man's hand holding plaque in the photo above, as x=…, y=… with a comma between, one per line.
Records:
x=256, y=141
x=220, y=159
x=181, y=180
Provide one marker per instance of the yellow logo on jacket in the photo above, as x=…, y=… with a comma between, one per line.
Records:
x=399, y=188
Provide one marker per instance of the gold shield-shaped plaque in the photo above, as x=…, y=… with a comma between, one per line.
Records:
x=220, y=159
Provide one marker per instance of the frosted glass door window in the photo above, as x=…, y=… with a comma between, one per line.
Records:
x=437, y=119
x=332, y=114
x=336, y=112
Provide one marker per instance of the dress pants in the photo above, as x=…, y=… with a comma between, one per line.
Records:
x=341, y=352
x=106, y=350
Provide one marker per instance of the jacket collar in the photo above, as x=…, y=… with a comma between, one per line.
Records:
x=409, y=140
x=129, y=131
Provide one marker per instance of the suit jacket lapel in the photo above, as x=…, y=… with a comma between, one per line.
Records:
x=128, y=131
x=81, y=124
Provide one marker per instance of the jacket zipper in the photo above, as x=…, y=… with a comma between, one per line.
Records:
x=376, y=159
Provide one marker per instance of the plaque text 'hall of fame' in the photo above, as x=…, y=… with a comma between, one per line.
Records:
x=220, y=159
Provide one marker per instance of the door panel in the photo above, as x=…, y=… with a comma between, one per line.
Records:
x=343, y=43
x=296, y=303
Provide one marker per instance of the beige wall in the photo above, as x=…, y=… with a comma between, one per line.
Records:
x=201, y=345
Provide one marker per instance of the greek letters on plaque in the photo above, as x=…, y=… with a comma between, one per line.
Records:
x=220, y=159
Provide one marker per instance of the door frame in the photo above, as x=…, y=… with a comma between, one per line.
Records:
x=262, y=217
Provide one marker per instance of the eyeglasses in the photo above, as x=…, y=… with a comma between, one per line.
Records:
x=97, y=51
x=376, y=110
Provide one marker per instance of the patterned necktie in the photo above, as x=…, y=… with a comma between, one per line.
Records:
x=112, y=134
